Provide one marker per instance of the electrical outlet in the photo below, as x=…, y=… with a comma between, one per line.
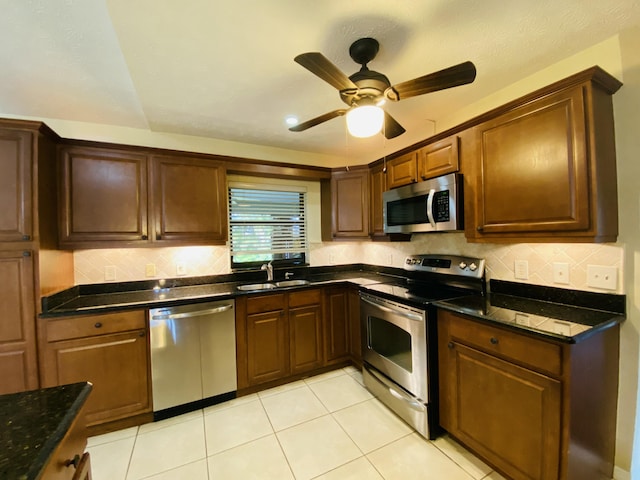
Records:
x=600, y=276
x=150, y=270
x=181, y=269
x=521, y=269
x=109, y=273
x=561, y=272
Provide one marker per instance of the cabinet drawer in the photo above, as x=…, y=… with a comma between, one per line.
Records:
x=265, y=303
x=305, y=297
x=537, y=354
x=78, y=327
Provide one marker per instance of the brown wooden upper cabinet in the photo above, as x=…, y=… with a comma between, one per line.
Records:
x=114, y=198
x=349, y=205
x=439, y=158
x=377, y=186
x=402, y=170
x=189, y=200
x=16, y=221
x=103, y=197
x=545, y=170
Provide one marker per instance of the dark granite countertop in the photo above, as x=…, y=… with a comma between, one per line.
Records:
x=565, y=315
x=100, y=298
x=33, y=424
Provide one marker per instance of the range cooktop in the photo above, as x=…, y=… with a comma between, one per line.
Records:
x=433, y=277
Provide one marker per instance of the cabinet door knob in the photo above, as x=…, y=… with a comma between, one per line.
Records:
x=450, y=344
x=145, y=237
x=494, y=341
x=26, y=238
x=98, y=325
x=158, y=237
x=141, y=334
x=480, y=228
x=26, y=254
x=74, y=461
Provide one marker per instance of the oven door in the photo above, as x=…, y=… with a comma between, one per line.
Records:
x=395, y=342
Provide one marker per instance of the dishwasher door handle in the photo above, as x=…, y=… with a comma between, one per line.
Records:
x=197, y=313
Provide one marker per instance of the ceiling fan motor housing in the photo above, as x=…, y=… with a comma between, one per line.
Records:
x=370, y=85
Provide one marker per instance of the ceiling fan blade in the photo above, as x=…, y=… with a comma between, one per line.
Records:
x=318, y=120
x=319, y=65
x=392, y=128
x=449, y=77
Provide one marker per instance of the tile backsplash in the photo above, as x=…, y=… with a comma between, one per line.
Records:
x=146, y=263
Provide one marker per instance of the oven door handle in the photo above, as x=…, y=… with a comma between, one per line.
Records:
x=411, y=316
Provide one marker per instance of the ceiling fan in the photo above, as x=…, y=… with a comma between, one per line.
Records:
x=366, y=90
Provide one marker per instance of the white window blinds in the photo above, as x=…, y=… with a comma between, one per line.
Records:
x=266, y=224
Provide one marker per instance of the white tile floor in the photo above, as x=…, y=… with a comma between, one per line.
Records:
x=325, y=427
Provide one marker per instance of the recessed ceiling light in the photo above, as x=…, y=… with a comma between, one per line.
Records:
x=291, y=120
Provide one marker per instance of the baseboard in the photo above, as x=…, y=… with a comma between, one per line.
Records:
x=620, y=474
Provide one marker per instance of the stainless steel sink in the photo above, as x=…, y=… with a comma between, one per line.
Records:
x=292, y=283
x=256, y=286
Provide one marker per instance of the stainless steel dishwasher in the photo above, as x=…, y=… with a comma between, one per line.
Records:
x=193, y=356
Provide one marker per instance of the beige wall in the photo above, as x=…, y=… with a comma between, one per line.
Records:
x=627, y=120
x=620, y=56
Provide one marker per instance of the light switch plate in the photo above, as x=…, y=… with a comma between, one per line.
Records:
x=109, y=273
x=600, y=276
x=150, y=270
x=521, y=268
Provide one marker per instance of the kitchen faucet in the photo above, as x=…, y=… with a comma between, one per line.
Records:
x=269, y=268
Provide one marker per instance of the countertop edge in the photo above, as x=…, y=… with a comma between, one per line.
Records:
x=616, y=318
x=51, y=444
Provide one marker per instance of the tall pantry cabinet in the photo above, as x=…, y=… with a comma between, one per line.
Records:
x=30, y=265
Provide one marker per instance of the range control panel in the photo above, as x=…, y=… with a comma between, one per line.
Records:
x=446, y=264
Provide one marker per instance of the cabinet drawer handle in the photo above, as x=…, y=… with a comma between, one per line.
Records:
x=98, y=325
x=75, y=461
x=494, y=341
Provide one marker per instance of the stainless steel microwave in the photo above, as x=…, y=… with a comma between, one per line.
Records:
x=434, y=205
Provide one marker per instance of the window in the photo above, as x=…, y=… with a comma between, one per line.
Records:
x=267, y=224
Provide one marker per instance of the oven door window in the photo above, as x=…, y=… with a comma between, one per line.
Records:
x=391, y=342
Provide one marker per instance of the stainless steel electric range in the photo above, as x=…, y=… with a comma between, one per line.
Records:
x=400, y=333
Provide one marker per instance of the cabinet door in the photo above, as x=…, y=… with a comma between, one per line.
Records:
x=508, y=414
x=103, y=197
x=337, y=325
x=350, y=204
x=439, y=158
x=16, y=215
x=402, y=170
x=377, y=185
x=117, y=366
x=305, y=334
x=534, y=171
x=267, y=347
x=189, y=200
x=18, y=359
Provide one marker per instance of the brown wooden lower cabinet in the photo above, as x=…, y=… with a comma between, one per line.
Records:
x=111, y=351
x=533, y=408
x=284, y=335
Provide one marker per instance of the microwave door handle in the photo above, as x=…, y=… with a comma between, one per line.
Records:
x=432, y=220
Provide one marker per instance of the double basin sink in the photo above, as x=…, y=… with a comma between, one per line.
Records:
x=270, y=286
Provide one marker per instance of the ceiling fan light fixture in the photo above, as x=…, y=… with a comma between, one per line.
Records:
x=365, y=121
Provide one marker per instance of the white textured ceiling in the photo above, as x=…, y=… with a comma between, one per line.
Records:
x=225, y=69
